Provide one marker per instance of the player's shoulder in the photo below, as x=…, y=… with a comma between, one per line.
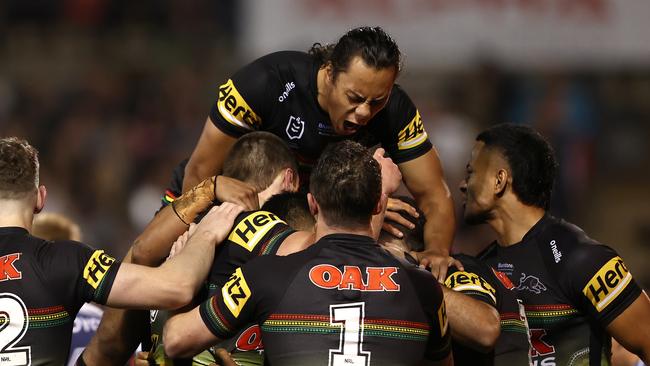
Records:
x=285, y=60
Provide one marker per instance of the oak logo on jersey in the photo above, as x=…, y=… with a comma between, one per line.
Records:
x=413, y=134
x=467, y=281
x=8, y=270
x=235, y=292
x=252, y=229
x=330, y=277
x=234, y=109
x=250, y=339
x=610, y=280
x=96, y=268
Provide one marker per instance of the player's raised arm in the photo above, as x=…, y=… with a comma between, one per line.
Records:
x=424, y=178
x=175, y=282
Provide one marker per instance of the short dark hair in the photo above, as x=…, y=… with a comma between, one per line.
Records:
x=375, y=47
x=18, y=168
x=293, y=208
x=346, y=183
x=257, y=158
x=531, y=159
x=413, y=238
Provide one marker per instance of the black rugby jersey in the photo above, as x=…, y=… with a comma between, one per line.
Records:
x=254, y=233
x=344, y=300
x=277, y=93
x=571, y=286
x=487, y=285
x=43, y=284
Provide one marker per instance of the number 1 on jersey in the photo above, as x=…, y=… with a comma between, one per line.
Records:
x=350, y=318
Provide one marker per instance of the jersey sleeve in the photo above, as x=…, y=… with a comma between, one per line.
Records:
x=474, y=281
x=405, y=138
x=78, y=272
x=242, y=100
x=601, y=281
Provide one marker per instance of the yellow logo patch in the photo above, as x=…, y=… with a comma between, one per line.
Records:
x=610, y=280
x=252, y=229
x=413, y=134
x=234, y=109
x=96, y=268
x=235, y=292
x=442, y=318
x=467, y=281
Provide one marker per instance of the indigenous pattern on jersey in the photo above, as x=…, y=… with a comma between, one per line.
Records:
x=343, y=300
x=483, y=283
x=42, y=286
x=254, y=233
x=277, y=93
x=571, y=286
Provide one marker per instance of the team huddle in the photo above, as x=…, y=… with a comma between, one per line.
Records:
x=280, y=241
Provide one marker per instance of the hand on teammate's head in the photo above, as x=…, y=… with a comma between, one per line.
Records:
x=233, y=190
x=391, y=177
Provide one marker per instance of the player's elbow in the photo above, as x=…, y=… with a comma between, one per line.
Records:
x=179, y=295
x=490, y=329
x=141, y=255
x=176, y=343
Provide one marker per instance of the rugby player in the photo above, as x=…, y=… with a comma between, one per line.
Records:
x=577, y=293
x=343, y=299
x=258, y=166
x=341, y=91
x=44, y=283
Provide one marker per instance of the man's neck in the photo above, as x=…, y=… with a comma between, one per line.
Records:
x=14, y=213
x=323, y=229
x=320, y=88
x=511, y=223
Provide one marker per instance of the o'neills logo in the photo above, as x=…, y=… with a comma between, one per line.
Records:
x=330, y=277
x=288, y=87
x=557, y=255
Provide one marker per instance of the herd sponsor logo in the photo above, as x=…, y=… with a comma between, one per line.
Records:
x=330, y=277
x=8, y=270
x=503, y=278
x=96, y=268
x=467, y=281
x=288, y=87
x=250, y=339
x=252, y=229
x=413, y=134
x=235, y=292
x=234, y=109
x=610, y=280
x=295, y=128
x=557, y=255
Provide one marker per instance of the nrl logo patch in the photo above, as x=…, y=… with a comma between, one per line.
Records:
x=295, y=128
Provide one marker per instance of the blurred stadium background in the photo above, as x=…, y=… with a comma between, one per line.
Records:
x=115, y=93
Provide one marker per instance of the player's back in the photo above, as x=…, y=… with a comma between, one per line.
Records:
x=344, y=301
x=40, y=294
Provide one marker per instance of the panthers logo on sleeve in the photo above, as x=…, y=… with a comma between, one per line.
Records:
x=413, y=134
x=236, y=292
x=471, y=282
x=234, y=109
x=252, y=229
x=605, y=286
x=97, y=267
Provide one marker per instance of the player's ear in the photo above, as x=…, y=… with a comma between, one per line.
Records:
x=501, y=181
x=313, y=205
x=291, y=180
x=381, y=204
x=41, y=196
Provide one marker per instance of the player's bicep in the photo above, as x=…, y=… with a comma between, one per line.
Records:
x=208, y=155
x=423, y=176
x=186, y=334
x=631, y=329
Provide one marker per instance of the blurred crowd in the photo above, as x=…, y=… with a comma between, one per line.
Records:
x=115, y=93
